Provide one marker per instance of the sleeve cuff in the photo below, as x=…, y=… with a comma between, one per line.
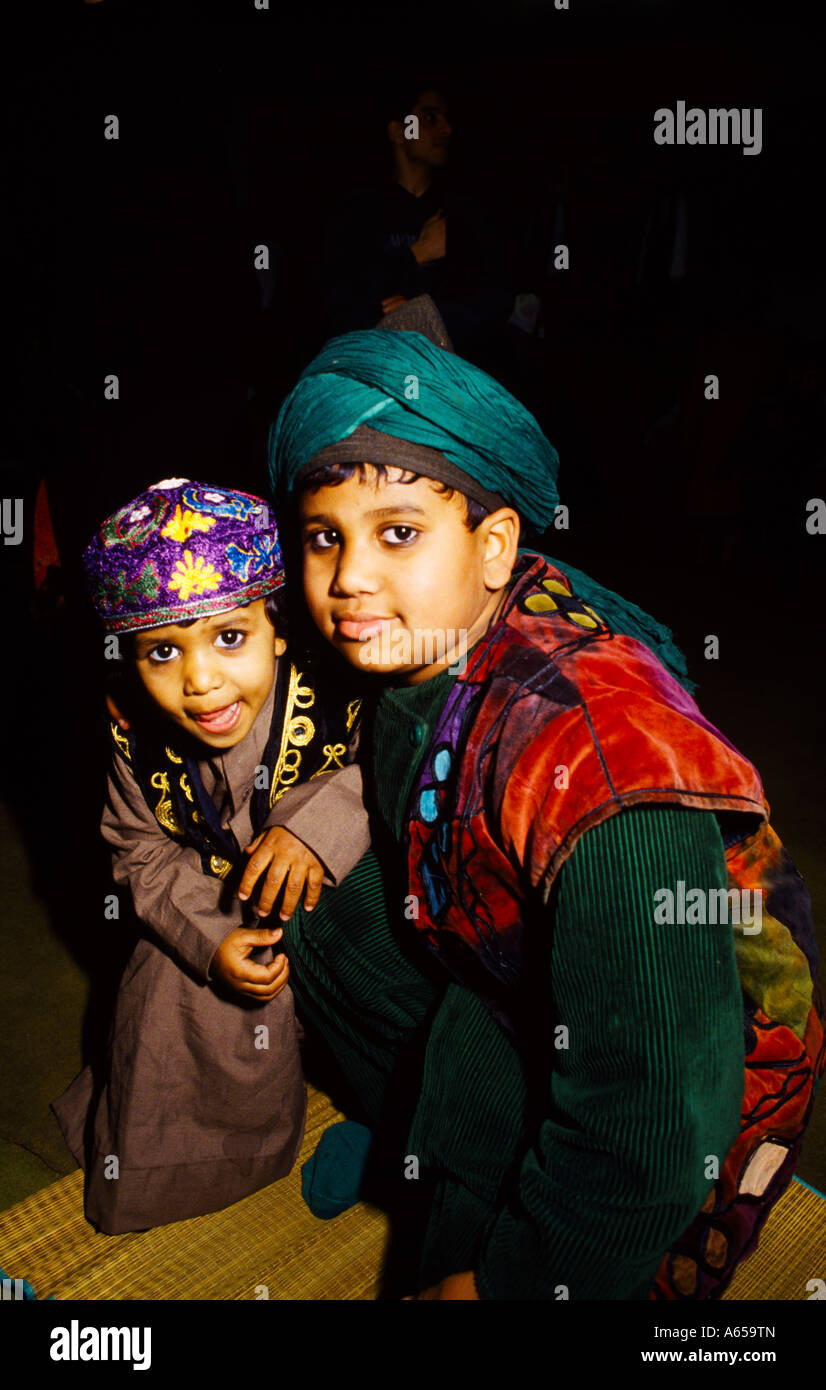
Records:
x=328, y=816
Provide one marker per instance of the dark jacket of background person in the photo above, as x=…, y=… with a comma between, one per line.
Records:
x=368, y=258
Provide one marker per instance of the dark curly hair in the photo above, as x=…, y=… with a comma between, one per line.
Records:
x=331, y=474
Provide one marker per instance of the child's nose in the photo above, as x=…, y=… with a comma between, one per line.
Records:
x=201, y=674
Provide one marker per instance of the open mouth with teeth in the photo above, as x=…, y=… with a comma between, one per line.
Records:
x=219, y=721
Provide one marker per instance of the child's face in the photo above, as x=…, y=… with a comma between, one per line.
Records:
x=386, y=560
x=213, y=676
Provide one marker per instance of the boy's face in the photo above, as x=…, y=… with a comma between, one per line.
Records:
x=386, y=560
x=213, y=676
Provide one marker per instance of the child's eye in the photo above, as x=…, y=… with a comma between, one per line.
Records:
x=230, y=639
x=322, y=540
x=399, y=535
x=162, y=653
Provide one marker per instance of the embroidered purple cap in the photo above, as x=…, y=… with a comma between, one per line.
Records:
x=182, y=550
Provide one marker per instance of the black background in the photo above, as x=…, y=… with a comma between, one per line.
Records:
x=239, y=127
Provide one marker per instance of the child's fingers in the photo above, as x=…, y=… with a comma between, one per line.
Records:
x=260, y=936
x=276, y=874
x=251, y=972
x=261, y=857
x=315, y=882
x=231, y=958
x=279, y=983
x=273, y=987
x=292, y=892
x=253, y=844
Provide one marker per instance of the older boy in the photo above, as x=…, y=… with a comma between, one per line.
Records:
x=581, y=1119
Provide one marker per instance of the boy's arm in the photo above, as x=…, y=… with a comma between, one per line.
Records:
x=651, y=1081
x=190, y=911
x=327, y=814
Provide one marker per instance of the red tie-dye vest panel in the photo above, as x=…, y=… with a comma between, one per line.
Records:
x=556, y=724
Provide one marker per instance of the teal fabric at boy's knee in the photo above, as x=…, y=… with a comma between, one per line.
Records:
x=331, y=1179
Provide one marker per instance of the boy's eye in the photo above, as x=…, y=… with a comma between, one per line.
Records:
x=162, y=653
x=230, y=639
x=399, y=535
x=322, y=540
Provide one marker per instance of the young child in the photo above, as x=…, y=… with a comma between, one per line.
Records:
x=609, y=1059
x=203, y=1099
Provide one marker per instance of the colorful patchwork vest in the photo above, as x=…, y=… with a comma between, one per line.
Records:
x=307, y=738
x=557, y=723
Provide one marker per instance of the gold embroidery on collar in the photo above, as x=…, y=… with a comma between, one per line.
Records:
x=352, y=714
x=296, y=732
x=335, y=752
x=185, y=787
x=173, y=757
x=163, y=811
x=120, y=739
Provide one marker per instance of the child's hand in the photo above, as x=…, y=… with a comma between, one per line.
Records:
x=231, y=964
x=284, y=857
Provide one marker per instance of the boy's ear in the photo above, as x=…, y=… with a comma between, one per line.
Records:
x=280, y=646
x=500, y=536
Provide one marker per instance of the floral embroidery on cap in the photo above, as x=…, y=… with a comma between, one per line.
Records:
x=182, y=550
x=194, y=576
x=183, y=523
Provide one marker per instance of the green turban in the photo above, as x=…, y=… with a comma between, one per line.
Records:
x=458, y=424
x=399, y=397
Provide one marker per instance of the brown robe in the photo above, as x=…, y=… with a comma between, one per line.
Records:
x=203, y=1099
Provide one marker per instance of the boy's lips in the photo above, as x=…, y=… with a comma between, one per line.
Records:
x=220, y=721
x=357, y=626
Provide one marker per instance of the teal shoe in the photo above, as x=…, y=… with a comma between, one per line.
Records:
x=331, y=1179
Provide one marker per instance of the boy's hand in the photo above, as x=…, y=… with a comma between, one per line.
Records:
x=284, y=857
x=460, y=1287
x=231, y=964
